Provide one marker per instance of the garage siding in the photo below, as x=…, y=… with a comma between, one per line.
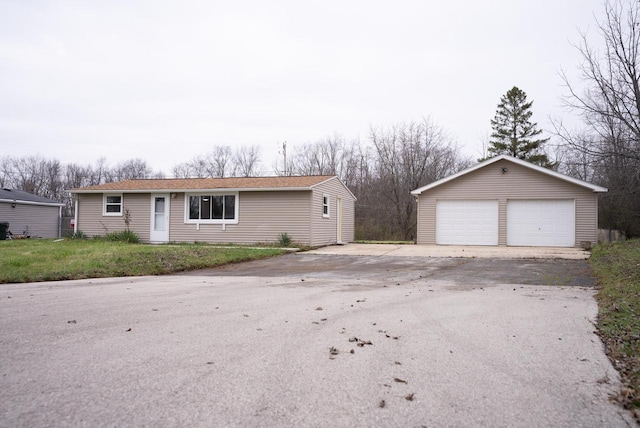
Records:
x=39, y=221
x=519, y=182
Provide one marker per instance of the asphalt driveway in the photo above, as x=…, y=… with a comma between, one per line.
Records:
x=311, y=340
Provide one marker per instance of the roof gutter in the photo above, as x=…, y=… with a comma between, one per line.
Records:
x=215, y=190
x=18, y=201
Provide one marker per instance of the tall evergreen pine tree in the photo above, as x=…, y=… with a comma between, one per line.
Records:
x=513, y=133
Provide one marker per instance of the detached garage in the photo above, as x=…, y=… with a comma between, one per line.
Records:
x=507, y=201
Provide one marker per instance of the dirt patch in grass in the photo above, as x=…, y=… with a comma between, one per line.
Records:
x=617, y=267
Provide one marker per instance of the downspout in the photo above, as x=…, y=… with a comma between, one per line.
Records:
x=417, y=218
x=59, y=222
x=75, y=217
x=597, y=220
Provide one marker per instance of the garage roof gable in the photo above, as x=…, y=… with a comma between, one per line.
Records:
x=526, y=164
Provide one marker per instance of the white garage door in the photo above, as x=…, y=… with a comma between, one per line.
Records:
x=542, y=223
x=467, y=222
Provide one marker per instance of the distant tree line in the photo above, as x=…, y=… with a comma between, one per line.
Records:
x=380, y=173
x=51, y=178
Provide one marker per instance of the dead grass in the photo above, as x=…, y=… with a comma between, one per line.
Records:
x=617, y=267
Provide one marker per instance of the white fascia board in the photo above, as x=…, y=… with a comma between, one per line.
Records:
x=597, y=189
x=593, y=187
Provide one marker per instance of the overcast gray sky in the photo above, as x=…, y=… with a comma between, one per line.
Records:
x=167, y=80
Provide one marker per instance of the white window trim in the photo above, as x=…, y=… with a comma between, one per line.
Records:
x=187, y=220
x=104, y=205
x=328, y=214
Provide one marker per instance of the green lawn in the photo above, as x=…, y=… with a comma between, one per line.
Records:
x=617, y=267
x=45, y=260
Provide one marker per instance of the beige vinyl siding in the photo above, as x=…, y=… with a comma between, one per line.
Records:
x=324, y=230
x=262, y=217
x=39, y=221
x=518, y=182
x=587, y=220
x=348, y=219
x=92, y=223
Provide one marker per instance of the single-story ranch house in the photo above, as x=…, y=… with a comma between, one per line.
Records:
x=30, y=215
x=507, y=201
x=312, y=210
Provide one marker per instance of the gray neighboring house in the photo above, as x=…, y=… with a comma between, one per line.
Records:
x=30, y=214
x=507, y=201
x=312, y=210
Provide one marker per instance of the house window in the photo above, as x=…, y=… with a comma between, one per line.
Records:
x=112, y=205
x=325, y=206
x=212, y=209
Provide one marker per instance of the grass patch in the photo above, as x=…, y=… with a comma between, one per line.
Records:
x=123, y=236
x=617, y=267
x=46, y=260
x=284, y=239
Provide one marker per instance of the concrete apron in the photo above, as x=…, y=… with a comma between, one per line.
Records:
x=454, y=251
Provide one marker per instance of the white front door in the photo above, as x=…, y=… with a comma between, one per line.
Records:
x=159, y=218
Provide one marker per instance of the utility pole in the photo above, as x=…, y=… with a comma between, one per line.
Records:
x=284, y=154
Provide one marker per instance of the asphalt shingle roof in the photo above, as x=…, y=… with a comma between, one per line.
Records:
x=20, y=196
x=179, y=184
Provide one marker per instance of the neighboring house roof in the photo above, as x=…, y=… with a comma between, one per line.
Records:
x=210, y=184
x=20, y=197
x=526, y=164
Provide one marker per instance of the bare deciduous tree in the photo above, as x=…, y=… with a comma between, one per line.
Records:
x=132, y=169
x=609, y=145
x=182, y=170
x=247, y=161
x=34, y=174
x=612, y=97
x=328, y=156
x=410, y=155
x=221, y=162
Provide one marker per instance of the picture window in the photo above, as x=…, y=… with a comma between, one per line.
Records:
x=212, y=209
